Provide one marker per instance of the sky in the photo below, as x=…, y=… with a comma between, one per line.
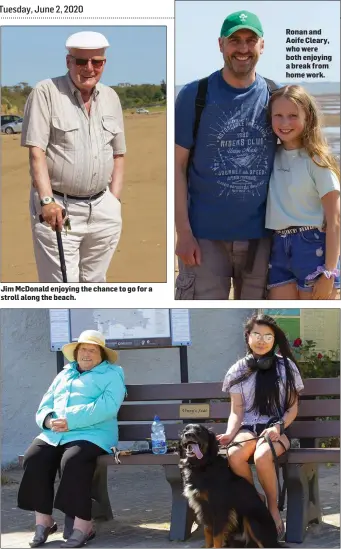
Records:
x=136, y=54
x=198, y=25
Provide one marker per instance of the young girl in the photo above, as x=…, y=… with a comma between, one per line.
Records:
x=303, y=206
x=263, y=386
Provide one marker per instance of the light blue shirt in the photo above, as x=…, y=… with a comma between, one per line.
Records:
x=89, y=401
x=297, y=185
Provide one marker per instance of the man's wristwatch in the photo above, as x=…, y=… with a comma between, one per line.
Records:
x=46, y=200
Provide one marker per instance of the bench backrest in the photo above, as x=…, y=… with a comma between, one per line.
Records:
x=145, y=401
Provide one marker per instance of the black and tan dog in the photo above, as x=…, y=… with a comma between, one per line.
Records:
x=227, y=505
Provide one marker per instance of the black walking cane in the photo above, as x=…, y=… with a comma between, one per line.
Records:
x=60, y=248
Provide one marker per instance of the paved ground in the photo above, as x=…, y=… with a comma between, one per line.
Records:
x=140, y=498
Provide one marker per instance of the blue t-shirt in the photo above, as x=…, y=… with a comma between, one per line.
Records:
x=233, y=158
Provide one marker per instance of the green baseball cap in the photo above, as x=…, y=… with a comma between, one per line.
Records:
x=241, y=20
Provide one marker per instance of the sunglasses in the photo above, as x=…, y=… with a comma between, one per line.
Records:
x=268, y=338
x=96, y=63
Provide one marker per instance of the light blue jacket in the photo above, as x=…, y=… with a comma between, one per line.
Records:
x=89, y=402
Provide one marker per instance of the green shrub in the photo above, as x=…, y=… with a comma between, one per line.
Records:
x=314, y=364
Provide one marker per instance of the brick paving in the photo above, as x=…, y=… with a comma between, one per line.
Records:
x=141, y=502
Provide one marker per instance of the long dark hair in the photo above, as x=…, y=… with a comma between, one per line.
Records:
x=266, y=400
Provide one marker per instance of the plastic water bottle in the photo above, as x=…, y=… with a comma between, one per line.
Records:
x=159, y=445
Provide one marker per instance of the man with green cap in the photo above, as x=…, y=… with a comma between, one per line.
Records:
x=221, y=184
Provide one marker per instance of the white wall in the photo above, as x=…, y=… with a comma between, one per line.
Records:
x=28, y=366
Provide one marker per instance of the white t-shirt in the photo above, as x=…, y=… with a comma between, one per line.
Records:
x=247, y=388
x=296, y=187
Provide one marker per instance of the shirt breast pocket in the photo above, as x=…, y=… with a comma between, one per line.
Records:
x=66, y=134
x=110, y=128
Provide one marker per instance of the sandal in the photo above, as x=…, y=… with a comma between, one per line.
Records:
x=280, y=531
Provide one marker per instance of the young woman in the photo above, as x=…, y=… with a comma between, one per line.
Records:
x=303, y=206
x=264, y=387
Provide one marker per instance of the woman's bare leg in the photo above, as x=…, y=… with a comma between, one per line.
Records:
x=84, y=525
x=308, y=295
x=44, y=520
x=239, y=455
x=287, y=291
x=267, y=474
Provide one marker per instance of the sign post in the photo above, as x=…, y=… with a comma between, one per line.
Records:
x=183, y=364
x=124, y=329
x=60, y=361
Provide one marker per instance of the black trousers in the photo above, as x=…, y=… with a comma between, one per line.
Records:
x=77, y=461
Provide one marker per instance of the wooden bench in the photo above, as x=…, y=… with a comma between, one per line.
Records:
x=299, y=465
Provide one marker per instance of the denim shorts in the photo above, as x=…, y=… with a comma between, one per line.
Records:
x=295, y=256
x=258, y=428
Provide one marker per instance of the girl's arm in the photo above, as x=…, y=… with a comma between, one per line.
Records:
x=290, y=414
x=323, y=287
x=275, y=431
x=331, y=207
x=235, y=419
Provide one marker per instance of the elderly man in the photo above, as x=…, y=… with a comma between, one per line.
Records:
x=73, y=127
x=222, y=173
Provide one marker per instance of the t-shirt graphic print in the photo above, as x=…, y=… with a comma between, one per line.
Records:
x=232, y=161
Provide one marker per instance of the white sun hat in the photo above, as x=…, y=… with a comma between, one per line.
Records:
x=87, y=40
x=93, y=337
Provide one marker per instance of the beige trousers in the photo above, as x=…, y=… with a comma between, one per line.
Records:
x=221, y=263
x=88, y=247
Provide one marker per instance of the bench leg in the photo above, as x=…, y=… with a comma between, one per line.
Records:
x=281, y=496
x=182, y=517
x=303, y=500
x=68, y=526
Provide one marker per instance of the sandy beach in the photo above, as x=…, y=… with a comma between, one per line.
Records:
x=141, y=254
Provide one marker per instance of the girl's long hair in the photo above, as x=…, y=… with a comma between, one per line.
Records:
x=312, y=137
x=266, y=400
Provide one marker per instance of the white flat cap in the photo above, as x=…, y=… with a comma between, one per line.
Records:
x=87, y=40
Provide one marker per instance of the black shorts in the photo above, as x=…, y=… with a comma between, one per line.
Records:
x=257, y=428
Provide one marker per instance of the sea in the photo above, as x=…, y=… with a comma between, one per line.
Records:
x=330, y=105
x=327, y=95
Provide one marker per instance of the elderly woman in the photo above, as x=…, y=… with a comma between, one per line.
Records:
x=78, y=418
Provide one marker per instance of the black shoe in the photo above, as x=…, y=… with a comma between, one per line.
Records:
x=41, y=534
x=78, y=538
